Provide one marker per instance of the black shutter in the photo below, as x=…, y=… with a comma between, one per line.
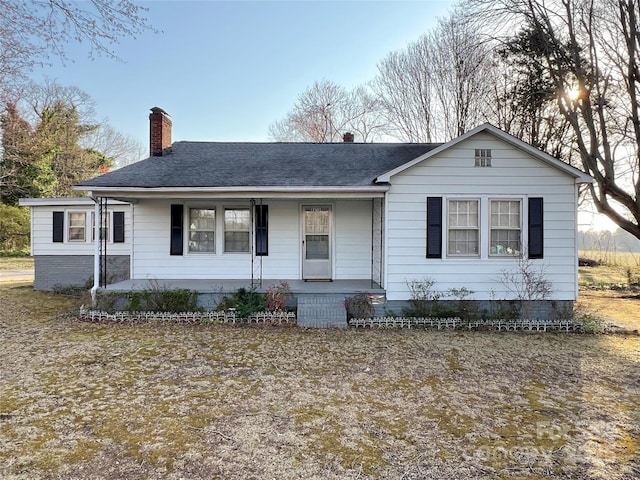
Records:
x=434, y=227
x=118, y=227
x=262, y=230
x=536, y=228
x=58, y=227
x=176, y=229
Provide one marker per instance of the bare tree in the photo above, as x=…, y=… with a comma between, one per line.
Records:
x=325, y=111
x=590, y=49
x=32, y=31
x=436, y=88
x=404, y=89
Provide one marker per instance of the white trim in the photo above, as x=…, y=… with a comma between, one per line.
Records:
x=239, y=192
x=55, y=202
x=580, y=176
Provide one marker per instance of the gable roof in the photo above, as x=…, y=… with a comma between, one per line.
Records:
x=232, y=165
x=580, y=176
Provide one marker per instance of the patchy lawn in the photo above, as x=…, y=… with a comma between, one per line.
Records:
x=82, y=400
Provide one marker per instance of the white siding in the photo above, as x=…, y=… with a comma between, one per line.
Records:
x=351, y=250
x=452, y=173
x=42, y=231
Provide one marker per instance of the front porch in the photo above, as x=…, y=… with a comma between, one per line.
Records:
x=319, y=304
x=203, y=286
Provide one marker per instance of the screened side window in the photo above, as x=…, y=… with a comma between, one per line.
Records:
x=505, y=227
x=463, y=228
x=237, y=223
x=202, y=230
x=104, y=228
x=77, y=226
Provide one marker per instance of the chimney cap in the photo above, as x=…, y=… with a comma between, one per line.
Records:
x=159, y=110
x=348, y=137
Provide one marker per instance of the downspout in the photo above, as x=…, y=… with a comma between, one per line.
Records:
x=96, y=250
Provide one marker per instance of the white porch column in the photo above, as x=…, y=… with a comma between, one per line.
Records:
x=96, y=249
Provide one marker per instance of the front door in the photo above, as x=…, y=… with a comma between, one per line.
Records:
x=316, y=243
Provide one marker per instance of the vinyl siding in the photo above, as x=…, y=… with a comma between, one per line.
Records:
x=452, y=174
x=351, y=249
x=42, y=232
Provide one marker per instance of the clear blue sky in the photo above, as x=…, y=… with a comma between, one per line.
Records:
x=225, y=71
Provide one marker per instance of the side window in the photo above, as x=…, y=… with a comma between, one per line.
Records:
x=237, y=223
x=77, y=226
x=505, y=236
x=463, y=236
x=202, y=230
x=104, y=228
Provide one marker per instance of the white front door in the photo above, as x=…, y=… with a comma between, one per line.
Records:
x=316, y=242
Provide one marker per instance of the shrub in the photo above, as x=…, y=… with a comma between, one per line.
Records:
x=245, y=301
x=277, y=296
x=359, y=305
x=423, y=299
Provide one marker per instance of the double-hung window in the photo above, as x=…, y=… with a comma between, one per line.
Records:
x=505, y=226
x=237, y=231
x=77, y=227
x=202, y=230
x=463, y=228
x=104, y=228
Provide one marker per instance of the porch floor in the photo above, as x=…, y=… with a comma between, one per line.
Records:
x=298, y=287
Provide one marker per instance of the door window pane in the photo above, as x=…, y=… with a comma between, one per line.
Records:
x=317, y=247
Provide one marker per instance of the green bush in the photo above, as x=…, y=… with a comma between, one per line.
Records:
x=245, y=301
x=15, y=227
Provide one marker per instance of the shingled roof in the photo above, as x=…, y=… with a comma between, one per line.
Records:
x=219, y=165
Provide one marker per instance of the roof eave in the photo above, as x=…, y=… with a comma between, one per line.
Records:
x=248, y=192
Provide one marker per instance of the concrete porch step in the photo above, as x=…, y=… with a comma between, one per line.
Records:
x=321, y=311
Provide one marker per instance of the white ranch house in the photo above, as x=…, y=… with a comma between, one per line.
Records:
x=328, y=218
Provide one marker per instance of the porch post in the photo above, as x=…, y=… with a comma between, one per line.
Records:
x=96, y=249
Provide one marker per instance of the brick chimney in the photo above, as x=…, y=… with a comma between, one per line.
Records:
x=347, y=137
x=159, y=132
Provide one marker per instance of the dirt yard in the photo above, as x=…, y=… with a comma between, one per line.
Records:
x=81, y=400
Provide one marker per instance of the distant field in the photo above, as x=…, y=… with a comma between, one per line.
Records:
x=612, y=258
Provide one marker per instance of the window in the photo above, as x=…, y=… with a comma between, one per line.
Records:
x=237, y=223
x=483, y=157
x=463, y=235
x=505, y=227
x=104, y=228
x=77, y=225
x=202, y=230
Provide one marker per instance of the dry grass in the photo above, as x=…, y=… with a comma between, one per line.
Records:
x=16, y=263
x=81, y=400
x=621, y=259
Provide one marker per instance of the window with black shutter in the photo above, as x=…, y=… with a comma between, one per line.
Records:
x=434, y=227
x=176, y=229
x=536, y=228
x=118, y=227
x=262, y=230
x=58, y=227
